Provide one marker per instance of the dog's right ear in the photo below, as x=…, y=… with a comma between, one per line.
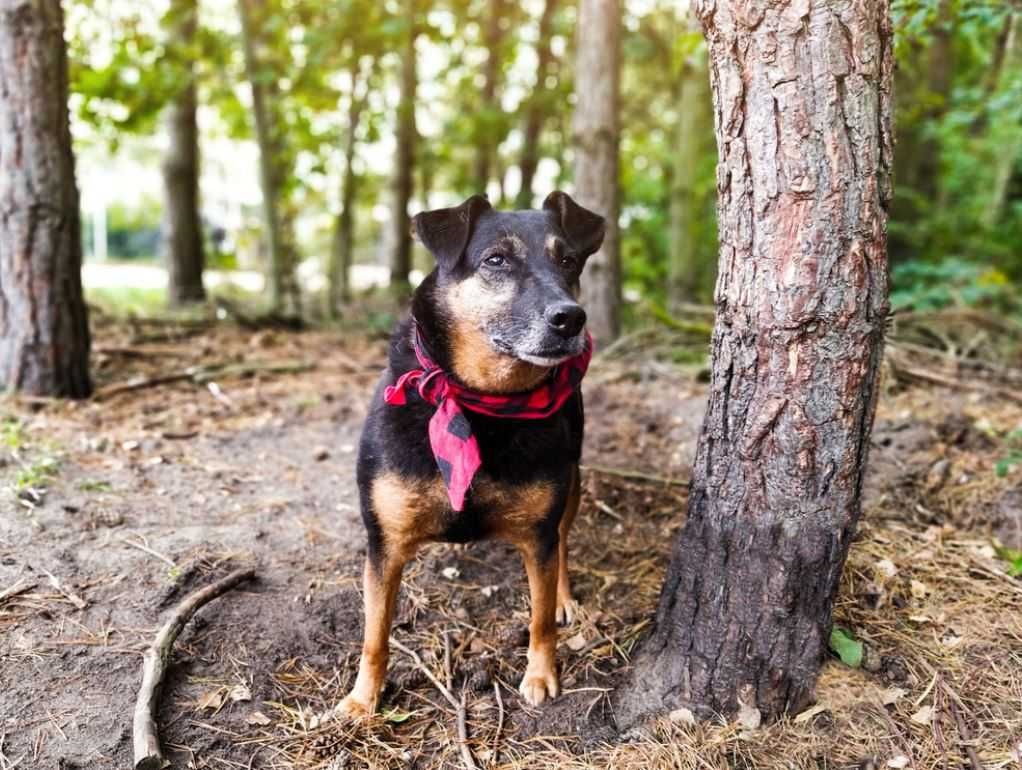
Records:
x=446, y=232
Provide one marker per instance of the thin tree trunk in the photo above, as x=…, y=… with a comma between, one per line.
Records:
x=274, y=167
x=536, y=109
x=803, y=122
x=596, y=135
x=684, y=270
x=1010, y=70
x=44, y=329
x=182, y=224
x=404, y=171
x=339, y=271
x=486, y=147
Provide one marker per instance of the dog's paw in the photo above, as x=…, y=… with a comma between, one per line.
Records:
x=353, y=708
x=537, y=686
x=567, y=610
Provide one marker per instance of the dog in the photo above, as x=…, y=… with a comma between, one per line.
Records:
x=475, y=428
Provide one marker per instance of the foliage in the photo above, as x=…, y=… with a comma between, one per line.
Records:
x=846, y=647
x=1013, y=456
x=953, y=281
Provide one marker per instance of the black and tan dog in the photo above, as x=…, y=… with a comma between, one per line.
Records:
x=498, y=315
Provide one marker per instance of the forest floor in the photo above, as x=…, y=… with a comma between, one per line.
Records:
x=115, y=508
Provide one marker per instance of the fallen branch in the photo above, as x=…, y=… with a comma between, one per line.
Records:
x=201, y=375
x=72, y=597
x=457, y=705
x=145, y=736
x=19, y=587
x=626, y=473
x=963, y=730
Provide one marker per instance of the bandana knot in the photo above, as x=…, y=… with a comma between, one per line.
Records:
x=450, y=434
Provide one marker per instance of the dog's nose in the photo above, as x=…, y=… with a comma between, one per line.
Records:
x=566, y=318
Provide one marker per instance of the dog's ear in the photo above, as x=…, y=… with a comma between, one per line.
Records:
x=584, y=229
x=446, y=232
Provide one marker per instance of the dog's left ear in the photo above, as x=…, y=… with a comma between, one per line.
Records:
x=584, y=229
x=446, y=232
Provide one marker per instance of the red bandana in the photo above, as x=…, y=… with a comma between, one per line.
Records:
x=450, y=434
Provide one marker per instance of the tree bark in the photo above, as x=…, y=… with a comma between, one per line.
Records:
x=684, y=268
x=44, y=330
x=404, y=171
x=535, y=111
x=802, y=95
x=1009, y=69
x=596, y=135
x=274, y=165
x=182, y=223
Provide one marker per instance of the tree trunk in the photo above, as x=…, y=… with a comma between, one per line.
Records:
x=404, y=172
x=595, y=129
x=44, y=329
x=274, y=165
x=536, y=110
x=1010, y=72
x=182, y=224
x=803, y=120
x=684, y=268
x=485, y=145
x=338, y=273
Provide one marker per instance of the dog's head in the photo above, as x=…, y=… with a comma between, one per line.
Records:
x=509, y=281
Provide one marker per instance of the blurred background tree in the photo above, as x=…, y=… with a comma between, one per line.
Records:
x=371, y=111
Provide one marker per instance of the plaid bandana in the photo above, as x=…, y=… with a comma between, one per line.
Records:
x=450, y=435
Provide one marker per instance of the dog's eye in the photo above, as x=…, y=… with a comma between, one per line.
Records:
x=567, y=261
x=496, y=260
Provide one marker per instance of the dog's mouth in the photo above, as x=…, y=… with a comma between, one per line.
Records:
x=546, y=356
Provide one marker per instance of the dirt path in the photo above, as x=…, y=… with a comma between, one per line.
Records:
x=159, y=491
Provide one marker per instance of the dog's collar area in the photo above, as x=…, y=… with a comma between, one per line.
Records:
x=450, y=434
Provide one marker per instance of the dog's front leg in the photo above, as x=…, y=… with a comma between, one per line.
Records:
x=540, y=681
x=381, y=580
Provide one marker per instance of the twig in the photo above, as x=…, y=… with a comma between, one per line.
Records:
x=146, y=738
x=626, y=473
x=19, y=587
x=458, y=706
x=202, y=375
x=963, y=729
x=76, y=600
x=500, y=721
x=143, y=546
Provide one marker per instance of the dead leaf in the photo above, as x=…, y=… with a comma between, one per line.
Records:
x=749, y=717
x=919, y=589
x=892, y=695
x=240, y=693
x=809, y=713
x=576, y=642
x=682, y=717
x=214, y=699
x=450, y=572
x=924, y=716
x=258, y=718
x=886, y=567
x=898, y=762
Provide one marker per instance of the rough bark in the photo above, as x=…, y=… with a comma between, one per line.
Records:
x=596, y=134
x=802, y=101
x=535, y=111
x=404, y=171
x=338, y=272
x=485, y=145
x=684, y=270
x=274, y=165
x=182, y=223
x=44, y=330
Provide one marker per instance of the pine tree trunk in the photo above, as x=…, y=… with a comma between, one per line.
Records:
x=44, y=330
x=274, y=166
x=684, y=270
x=338, y=274
x=404, y=171
x=182, y=224
x=596, y=135
x=1010, y=147
x=536, y=108
x=802, y=94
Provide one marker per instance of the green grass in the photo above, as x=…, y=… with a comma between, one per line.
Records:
x=128, y=301
x=94, y=485
x=38, y=473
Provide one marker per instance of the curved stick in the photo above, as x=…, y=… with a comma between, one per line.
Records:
x=145, y=736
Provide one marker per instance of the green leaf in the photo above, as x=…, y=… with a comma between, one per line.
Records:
x=397, y=717
x=846, y=646
x=1014, y=559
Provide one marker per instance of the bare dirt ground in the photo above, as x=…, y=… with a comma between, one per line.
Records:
x=113, y=509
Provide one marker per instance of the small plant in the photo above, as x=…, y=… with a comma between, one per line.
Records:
x=846, y=647
x=1013, y=444
x=94, y=485
x=950, y=282
x=36, y=474
x=12, y=433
